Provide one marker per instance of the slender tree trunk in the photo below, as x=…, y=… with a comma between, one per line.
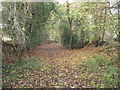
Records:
x=70, y=25
x=119, y=32
x=20, y=36
x=104, y=23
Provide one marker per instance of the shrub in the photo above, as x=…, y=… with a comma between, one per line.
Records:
x=78, y=41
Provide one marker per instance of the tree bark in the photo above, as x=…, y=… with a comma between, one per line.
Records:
x=70, y=25
x=118, y=32
x=103, y=34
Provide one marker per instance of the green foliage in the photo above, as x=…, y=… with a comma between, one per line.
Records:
x=78, y=41
x=111, y=77
x=65, y=36
x=38, y=23
x=12, y=72
x=22, y=64
x=89, y=22
x=101, y=66
x=93, y=65
x=99, y=59
x=25, y=22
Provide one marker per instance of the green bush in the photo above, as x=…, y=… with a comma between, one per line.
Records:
x=78, y=41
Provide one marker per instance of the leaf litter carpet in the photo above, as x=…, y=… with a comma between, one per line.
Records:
x=58, y=67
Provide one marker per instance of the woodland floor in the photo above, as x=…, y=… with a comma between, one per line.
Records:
x=55, y=67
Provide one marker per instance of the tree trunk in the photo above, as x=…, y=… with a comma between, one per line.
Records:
x=70, y=23
x=103, y=34
x=118, y=32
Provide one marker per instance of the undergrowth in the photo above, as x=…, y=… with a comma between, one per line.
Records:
x=105, y=69
x=12, y=71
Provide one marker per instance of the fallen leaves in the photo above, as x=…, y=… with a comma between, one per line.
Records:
x=58, y=68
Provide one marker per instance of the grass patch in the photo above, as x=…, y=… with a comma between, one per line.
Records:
x=110, y=77
x=13, y=71
x=101, y=60
x=93, y=65
x=104, y=68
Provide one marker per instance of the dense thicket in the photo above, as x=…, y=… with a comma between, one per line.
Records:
x=25, y=22
x=73, y=24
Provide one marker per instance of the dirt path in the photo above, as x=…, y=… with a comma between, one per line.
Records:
x=56, y=67
x=57, y=55
x=59, y=68
x=62, y=64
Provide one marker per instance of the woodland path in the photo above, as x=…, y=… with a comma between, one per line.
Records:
x=53, y=66
x=58, y=56
x=62, y=66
